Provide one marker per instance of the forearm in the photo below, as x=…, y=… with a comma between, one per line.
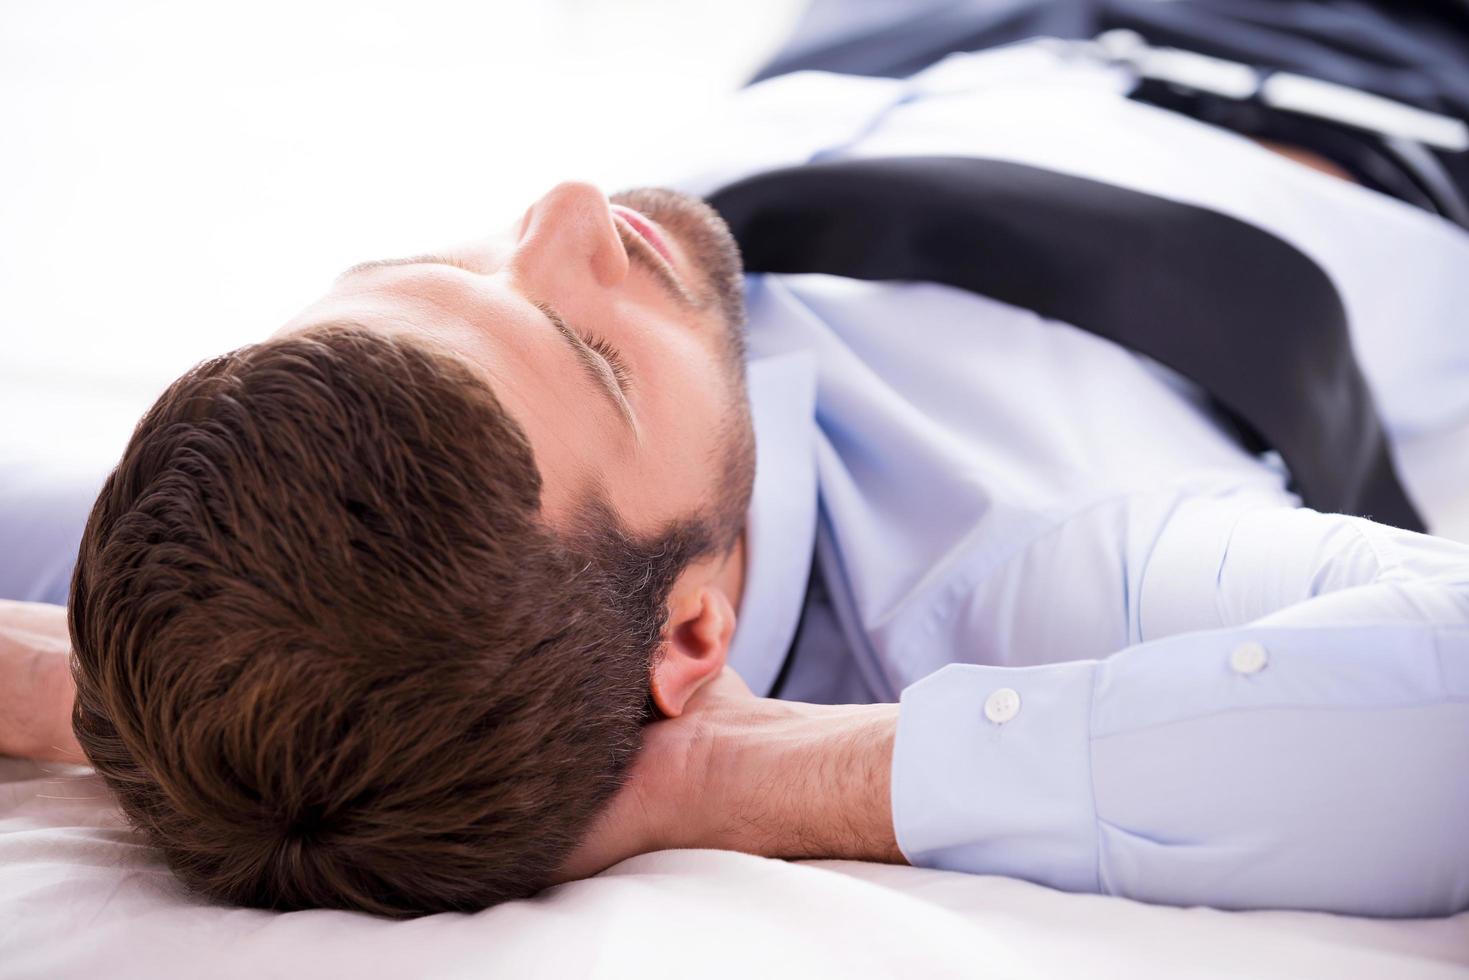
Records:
x=809, y=781
x=1257, y=767
x=1289, y=733
x=1227, y=564
x=36, y=689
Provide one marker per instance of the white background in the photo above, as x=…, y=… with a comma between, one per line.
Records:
x=176, y=179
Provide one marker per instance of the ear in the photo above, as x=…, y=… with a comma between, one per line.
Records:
x=701, y=623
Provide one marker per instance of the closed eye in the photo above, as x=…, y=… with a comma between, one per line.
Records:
x=598, y=365
x=614, y=360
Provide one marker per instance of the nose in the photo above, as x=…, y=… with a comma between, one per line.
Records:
x=568, y=232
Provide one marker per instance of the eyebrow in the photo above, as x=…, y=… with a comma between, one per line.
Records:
x=409, y=260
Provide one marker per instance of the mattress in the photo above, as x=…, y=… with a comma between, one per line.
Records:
x=81, y=897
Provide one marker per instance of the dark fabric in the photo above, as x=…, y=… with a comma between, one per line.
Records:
x=1399, y=168
x=816, y=595
x=1252, y=320
x=1413, y=51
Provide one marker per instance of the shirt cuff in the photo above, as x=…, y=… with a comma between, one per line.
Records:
x=992, y=773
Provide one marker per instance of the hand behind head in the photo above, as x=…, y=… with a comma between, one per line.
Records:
x=667, y=800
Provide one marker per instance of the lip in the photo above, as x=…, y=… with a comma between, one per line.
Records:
x=646, y=229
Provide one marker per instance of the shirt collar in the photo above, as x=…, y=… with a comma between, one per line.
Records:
x=780, y=531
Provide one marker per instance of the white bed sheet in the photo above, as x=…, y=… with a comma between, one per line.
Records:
x=79, y=897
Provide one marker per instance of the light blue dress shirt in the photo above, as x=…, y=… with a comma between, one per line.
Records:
x=1128, y=661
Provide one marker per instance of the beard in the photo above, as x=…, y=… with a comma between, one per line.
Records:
x=711, y=248
x=707, y=241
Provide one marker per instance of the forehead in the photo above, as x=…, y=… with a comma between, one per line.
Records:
x=427, y=304
x=506, y=340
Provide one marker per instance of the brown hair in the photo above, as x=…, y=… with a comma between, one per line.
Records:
x=327, y=655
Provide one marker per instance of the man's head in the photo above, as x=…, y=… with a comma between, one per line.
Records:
x=370, y=615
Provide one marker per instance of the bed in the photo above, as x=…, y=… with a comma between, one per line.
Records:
x=81, y=897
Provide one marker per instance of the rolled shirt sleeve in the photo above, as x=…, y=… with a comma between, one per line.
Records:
x=1315, y=756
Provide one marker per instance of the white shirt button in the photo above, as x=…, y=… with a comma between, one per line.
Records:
x=1002, y=705
x=1248, y=658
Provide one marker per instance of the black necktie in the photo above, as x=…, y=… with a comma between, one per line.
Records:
x=1248, y=317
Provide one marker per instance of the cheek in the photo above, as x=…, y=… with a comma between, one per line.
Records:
x=690, y=389
x=687, y=401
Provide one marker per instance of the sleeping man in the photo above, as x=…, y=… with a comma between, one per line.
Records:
x=498, y=565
